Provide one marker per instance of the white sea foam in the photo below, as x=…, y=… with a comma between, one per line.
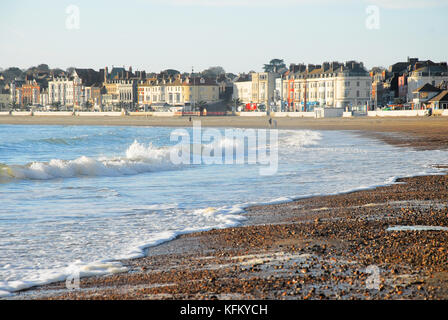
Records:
x=139, y=158
x=417, y=228
x=223, y=217
x=299, y=138
x=89, y=235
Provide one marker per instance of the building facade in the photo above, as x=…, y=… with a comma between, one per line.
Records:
x=426, y=72
x=330, y=85
x=178, y=91
x=263, y=88
x=242, y=88
x=75, y=90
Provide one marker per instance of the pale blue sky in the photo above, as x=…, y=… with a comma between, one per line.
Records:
x=237, y=35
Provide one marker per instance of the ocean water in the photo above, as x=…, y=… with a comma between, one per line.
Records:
x=75, y=199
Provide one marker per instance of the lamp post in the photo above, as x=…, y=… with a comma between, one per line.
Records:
x=194, y=82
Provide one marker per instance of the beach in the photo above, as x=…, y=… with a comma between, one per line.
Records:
x=340, y=246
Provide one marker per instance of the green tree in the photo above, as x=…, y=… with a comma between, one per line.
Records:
x=12, y=73
x=275, y=65
x=213, y=72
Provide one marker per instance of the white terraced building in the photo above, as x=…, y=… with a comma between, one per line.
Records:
x=330, y=85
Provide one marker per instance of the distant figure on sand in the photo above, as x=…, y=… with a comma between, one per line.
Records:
x=190, y=119
x=270, y=122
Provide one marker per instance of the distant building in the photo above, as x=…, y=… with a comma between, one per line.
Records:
x=331, y=85
x=5, y=99
x=440, y=101
x=121, y=87
x=263, y=88
x=426, y=72
x=423, y=94
x=76, y=89
x=178, y=90
x=242, y=88
x=257, y=88
x=25, y=92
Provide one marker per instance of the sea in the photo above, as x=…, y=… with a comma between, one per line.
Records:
x=75, y=200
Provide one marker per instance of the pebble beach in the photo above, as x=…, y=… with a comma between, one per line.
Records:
x=346, y=246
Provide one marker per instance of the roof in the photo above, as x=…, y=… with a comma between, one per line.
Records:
x=350, y=67
x=88, y=76
x=179, y=81
x=442, y=96
x=116, y=72
x=427, y=88
x=243, y=78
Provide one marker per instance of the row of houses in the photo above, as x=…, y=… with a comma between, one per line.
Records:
x=300, y=87
x=405, y=83
x=91, y=89
x=344, y=85
x=303, y=87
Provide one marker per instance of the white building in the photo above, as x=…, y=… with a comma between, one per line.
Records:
x=242, y=88
x=330, y=85
x=60, y=90
x=257, y=88
x=73, y=90
x=434, y=74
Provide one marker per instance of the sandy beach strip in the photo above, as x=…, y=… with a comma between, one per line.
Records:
x=328, y=247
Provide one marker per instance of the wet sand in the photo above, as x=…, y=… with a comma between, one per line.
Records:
x=329, y=247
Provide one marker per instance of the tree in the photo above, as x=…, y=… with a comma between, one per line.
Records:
x=70, y=70
x=56, y=72
x=43, y=67
x=170, y=72
x=12, y=73
x=213, y=72
x=275, y=65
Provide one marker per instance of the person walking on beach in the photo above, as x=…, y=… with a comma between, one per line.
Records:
x=270, y=122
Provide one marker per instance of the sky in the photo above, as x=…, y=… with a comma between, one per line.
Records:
x=239, y=35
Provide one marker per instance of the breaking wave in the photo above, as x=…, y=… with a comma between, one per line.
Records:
x=139, y=158
x=299, y=139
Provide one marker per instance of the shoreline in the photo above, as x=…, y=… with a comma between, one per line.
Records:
x=207, y=257
x=290, y=243
x=422, y=133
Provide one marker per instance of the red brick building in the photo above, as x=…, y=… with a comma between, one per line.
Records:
x=29, y=93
